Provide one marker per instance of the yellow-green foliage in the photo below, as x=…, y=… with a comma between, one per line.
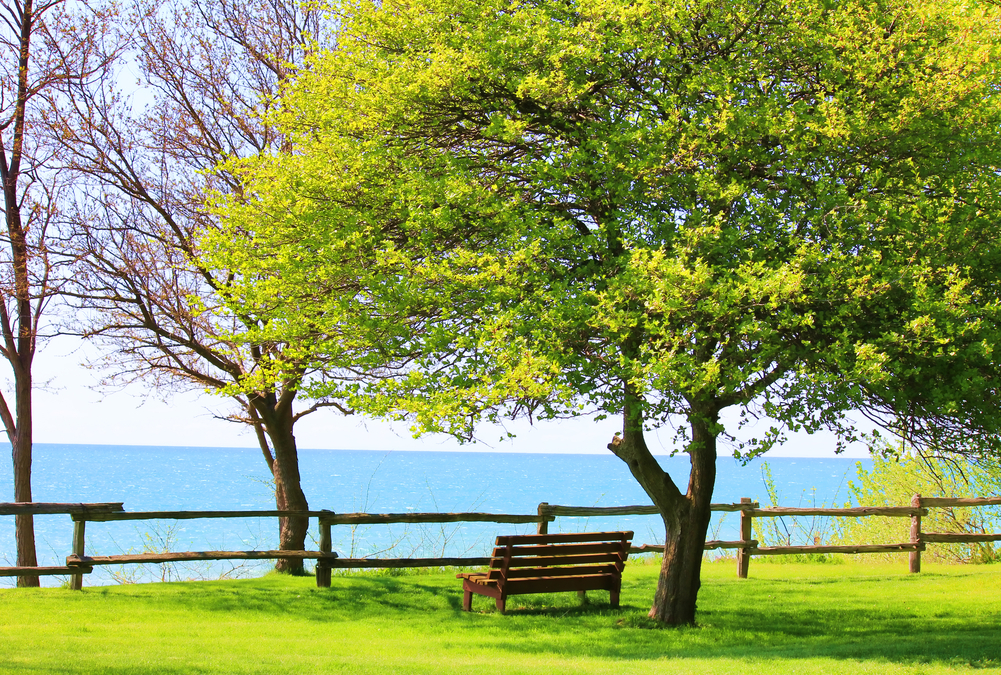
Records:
x=893, y=481
x=501, y=208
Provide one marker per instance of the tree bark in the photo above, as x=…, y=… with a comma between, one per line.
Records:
x=685, y=535
x=686, y=517
x=19, y=349
x=21, y=445
x=277, y=419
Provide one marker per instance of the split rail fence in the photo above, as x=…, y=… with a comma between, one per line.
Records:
x=79, y=564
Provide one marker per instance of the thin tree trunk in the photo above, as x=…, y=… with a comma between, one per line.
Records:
x=19, y=349
x=21, y=447
x=277, y=421
x=20, y=359
x=24, y=524
x=19, y=432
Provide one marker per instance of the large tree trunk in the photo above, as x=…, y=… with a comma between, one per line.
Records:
x=277, y=420
x=685, y=535
x=292, y=531
x=686, y=517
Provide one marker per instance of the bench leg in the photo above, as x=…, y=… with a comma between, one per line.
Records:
x=614, y=598
x=467, y=600
x=501, y=604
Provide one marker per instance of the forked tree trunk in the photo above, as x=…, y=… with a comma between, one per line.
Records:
x=685, y=535
x=686, y=516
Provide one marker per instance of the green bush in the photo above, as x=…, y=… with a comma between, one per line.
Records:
x=895, y=479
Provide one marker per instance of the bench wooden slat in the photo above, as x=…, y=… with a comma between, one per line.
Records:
x=562, y=538
x=528, y=572
x=590, y=582
x=539, y=572
x=475, y=576
x=550, y=563
x=559, y=549
x=594, y=558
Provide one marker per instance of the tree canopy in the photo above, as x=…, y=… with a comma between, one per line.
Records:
x=654, y=209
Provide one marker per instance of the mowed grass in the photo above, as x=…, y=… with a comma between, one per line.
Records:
x=787, y=618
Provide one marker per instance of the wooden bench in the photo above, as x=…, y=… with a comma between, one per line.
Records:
x=550, y=563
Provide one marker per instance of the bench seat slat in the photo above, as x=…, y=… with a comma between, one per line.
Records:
x=481, y=579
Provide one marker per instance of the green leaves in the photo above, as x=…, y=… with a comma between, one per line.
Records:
x=506, y=208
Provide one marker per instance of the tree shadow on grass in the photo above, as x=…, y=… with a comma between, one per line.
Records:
x=350, y=598
x=776, y=619
x=889, y=620
x=635, y=637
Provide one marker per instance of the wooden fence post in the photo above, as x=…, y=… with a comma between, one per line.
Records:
x=76, y=580
x=915, y=556
x=543, y=527
x=744, y=554
x=322, y=568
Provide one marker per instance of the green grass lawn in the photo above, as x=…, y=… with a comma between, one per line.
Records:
x=787, y=618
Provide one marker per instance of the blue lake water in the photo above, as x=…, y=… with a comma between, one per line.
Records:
x=148, y=478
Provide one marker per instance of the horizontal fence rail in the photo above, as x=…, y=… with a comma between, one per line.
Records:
x=556, y=510
x=182, y=556
x=42, y=508
x=855, y=511
x=105, y=517
x=78, y=563
x=747, y=547
x=44, y=571
x=961, y=501
x=390, y=518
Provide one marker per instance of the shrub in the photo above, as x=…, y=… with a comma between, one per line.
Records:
x=895, y=478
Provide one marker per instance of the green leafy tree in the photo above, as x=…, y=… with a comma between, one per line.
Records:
x=657, y=210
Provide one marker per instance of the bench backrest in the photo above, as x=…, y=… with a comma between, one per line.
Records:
x=552, y=555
